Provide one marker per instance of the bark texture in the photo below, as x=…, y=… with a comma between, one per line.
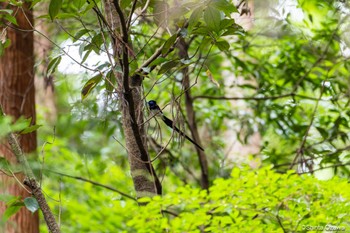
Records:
x=17, y=99
x=129, y=89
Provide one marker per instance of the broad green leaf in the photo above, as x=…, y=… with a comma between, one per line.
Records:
x=168, y=44
x=30, y=129
x=110, y=81
x=80, y=3
x=202, y=30
x=223, y=45
x=79, y=34
x=226, y=23
x=86, y=55
x=13, y=207
x=125, y=3
x=96, y=43
x=11, y=19
x=195, y=17
x=34, y=2
x=158, y=61
x=54, y=8
x=31, y=203
x=212, y=18
x=167, y=66
x=225, y=6
x=89, y=85
x=3, y=164
x=7, y=197
x=15, y=3
x=6, y=11
x=53, y=65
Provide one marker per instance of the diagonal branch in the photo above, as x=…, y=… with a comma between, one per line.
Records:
x=31, y=182
x=95, y=183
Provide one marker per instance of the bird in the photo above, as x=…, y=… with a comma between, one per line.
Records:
x=156, y=111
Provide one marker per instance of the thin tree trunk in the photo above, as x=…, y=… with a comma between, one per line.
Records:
x=145, y=180
x=191, y=116
x=17, y=99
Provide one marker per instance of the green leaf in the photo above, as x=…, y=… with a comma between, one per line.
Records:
x=86, y=55
x=96, y=43
x=89, y=85
x=167, y=45
x=11, y=19
x=7, y=43
x=223, y=45
x=79, y=34
x=202, y=30
x=4, y=164
x=7, y=197
x=125, y=3
x=323, y=132
x=226, y=23
x=54, y=8
x=7, y=11
x=167, y=66
x=34, y=2
x=30, y=129
x=212, y=18
x=110, y=81
x=13, y=207
x=225, y=6
x=53, y=65
x=194, y=18
x=31, y=203
x=158, y=61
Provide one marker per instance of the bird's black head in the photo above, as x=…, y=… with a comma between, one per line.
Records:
x=152, y=104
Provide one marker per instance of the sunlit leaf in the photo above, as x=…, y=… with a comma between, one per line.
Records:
x=90, y=85
x=54, y=8
x=168, y=44
x=53, y=65
x=30, y=129
x=167, y=66
x=212, y=18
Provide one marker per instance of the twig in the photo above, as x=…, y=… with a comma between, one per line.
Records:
x=31, y=182
x=95, y=183
x=300, y=151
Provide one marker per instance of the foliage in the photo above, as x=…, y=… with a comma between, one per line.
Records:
x=247, y=201
x=285, y=79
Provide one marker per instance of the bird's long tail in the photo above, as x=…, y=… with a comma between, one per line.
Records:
x=170, y=123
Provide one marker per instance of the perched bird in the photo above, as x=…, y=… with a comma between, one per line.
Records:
x=156, y=111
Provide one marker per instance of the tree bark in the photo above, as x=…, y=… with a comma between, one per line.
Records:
x=145, y=180
x=17, y=99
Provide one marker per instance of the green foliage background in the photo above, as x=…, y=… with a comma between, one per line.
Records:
x=291, y=76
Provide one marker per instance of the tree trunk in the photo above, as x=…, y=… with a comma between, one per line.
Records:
x=191, y=116
x=145, y=180
x=17, y=99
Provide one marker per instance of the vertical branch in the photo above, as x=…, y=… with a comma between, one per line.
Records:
x=191, y=116
x=133, y=133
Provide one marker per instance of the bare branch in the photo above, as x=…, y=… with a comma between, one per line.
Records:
x=95, y=183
